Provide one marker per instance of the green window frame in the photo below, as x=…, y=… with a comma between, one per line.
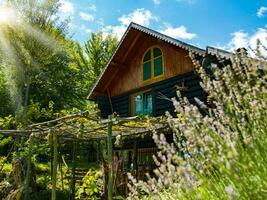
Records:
x=143, y=104
x=152, y=64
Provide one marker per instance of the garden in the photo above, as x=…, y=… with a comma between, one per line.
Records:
x=55, y=145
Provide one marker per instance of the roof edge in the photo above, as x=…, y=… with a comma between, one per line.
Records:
x=169, y=39
x=219, y=52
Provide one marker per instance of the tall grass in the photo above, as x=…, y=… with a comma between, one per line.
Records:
x=223, y=153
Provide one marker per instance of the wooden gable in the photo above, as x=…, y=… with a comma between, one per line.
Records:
x=123, y=72
x=176, y=61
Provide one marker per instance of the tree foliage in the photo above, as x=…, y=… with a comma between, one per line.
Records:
x=40, y=63
x=92, y=57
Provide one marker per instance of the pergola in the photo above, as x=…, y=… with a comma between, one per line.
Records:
x=85, y=126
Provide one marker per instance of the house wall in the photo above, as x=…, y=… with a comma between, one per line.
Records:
x=129, y=77
x=121, y=104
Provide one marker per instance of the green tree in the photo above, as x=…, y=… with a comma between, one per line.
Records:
x=92, y=57
x=41, y=64
x=5, y=104
x=36, y=65
x=99, y=51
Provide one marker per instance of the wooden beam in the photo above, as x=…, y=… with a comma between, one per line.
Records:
x=110, y=102
x=76, y=115
x=98, y=151
x=54, y=174
x=131, y=46
x=16, y=133
x=73, y=170
x=110, y=159
x=135, y=150
x=114, y=63
x=28, y=171
x=99, y=93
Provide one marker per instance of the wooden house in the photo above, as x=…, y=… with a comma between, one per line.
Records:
x=146, y=67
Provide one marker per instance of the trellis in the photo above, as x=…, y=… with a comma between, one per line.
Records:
x=85, y=126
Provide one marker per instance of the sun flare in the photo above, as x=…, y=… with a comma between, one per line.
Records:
x=7, y=15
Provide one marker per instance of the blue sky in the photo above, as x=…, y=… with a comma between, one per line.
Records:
x=226, y=24
x=222, y=23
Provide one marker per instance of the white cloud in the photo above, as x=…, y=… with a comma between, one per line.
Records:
x=260, y=35
x=66, y=7
x=262, y=11
x=239, y=40
x=116, y=31
x=249, y=41
x=86, y=17
x=179, y=32
x=87, y=30
x=92, y=7
x=156, y=2
x=140, y=16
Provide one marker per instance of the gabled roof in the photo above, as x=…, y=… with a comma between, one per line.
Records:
x=136, y=27
x=219, y=52
x=167, y=39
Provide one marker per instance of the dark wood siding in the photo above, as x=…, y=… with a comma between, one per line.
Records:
x=122, y=103
x=167, y=89
x=104, y=106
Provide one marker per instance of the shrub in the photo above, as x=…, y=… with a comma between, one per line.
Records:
x=224, y=150
x=92, y=185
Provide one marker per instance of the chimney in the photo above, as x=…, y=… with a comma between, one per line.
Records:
x=243, y=52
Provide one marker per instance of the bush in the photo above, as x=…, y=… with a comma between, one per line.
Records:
x=225, y=150
x=43, y=181
x=92, y=185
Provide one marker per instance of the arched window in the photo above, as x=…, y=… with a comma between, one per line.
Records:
x=152, y=64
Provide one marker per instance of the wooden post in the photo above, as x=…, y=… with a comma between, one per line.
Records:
x=61, y=173
x=54, y=175
x=98, y=151
x=28, y=171
x=73, y=181
x=110, y=159
x=51, y=156
x=135, y=151
x=60, y=167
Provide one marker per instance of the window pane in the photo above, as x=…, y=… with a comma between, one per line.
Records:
x=147, y=71
x=143, y=104
x=147, y=56
x=158, y=68
x=147, y=103
x=138, y=104
x=157, y=52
